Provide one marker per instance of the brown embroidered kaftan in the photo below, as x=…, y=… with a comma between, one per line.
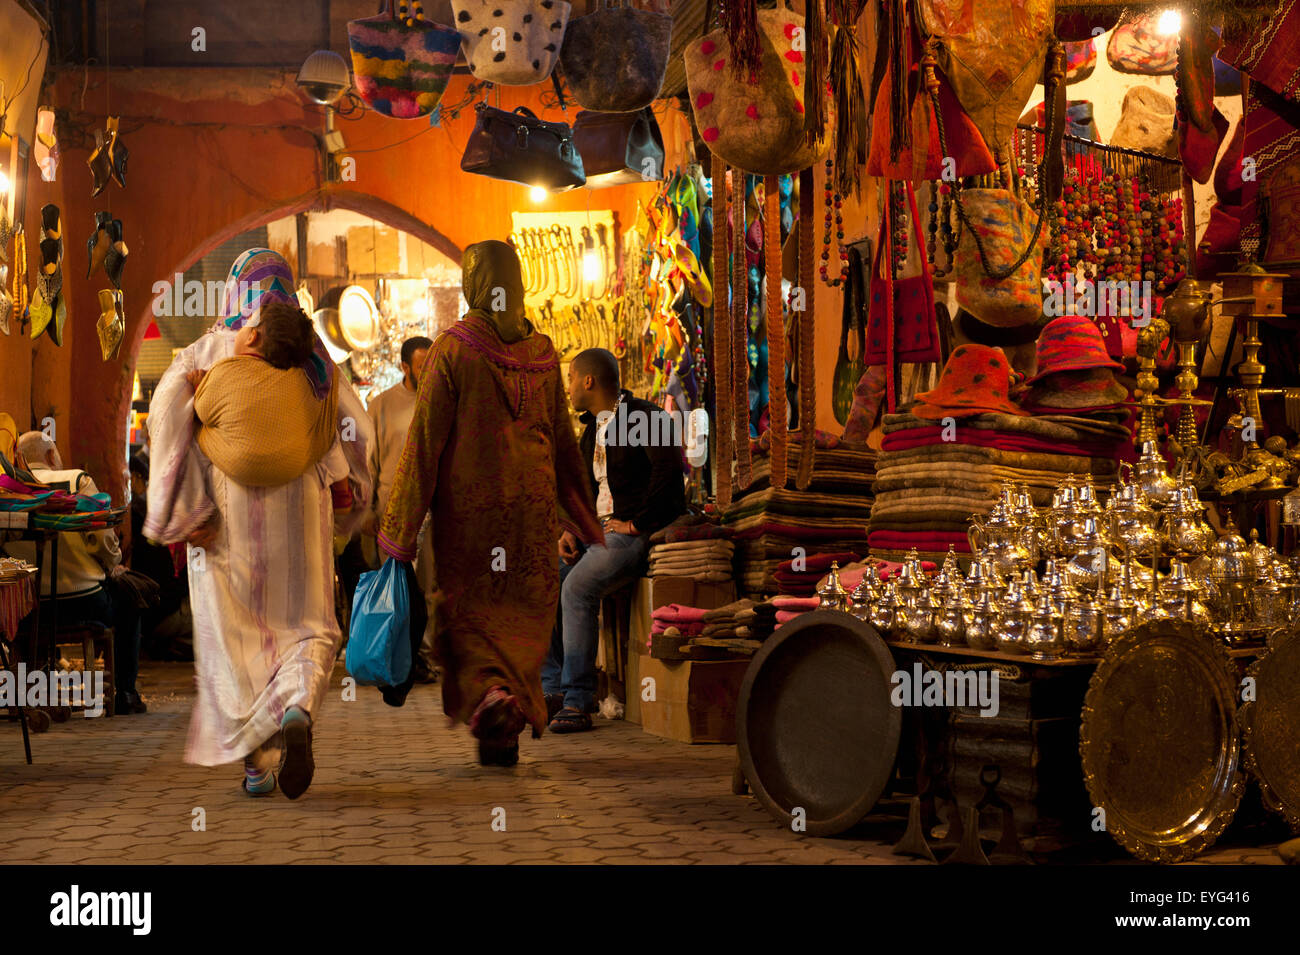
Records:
x=492, y=452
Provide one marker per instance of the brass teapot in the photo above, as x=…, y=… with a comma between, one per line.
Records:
x=1132, y=522
x=1181, y=596
x=1184, y=526
x=832, y=595
x=1083, y=625
x=1152, y=476
x=1045, y=639
x=1012, y=632
x=981, y=619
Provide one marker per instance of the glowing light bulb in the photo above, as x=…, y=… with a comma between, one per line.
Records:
x=1170, y=22
x=538, y=194
x=590, y=267
x=4, y=183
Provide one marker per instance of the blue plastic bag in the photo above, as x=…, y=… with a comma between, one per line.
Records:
x=379, y=644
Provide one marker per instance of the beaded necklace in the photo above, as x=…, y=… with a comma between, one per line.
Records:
x=834, y=202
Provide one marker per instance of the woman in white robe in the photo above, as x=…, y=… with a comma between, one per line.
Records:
x=261, y=560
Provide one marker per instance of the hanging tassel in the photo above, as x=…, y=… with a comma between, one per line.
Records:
x=814, y=72
x=724, y=423
x=850, y=113
x=739, y=19
x=776, y=406
x=807, y=328
x=900, y=111
x=740, y=332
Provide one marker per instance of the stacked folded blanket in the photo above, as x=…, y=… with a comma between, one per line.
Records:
x=691, y=633
x=798, y=577
x=830, y=516
x=707, y=560
x=931, y=480
x=743, y=618
x=787, y=608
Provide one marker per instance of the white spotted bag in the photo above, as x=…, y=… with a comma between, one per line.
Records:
x=512, y=42
x=755, y=124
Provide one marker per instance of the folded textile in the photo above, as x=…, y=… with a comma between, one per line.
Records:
x=1027, y=460
x=727, y=611
x=679, y=613
x=795, y=603
x=932, y=541
x=690, y=527
x=686, y=629
x=927, y=437
x=813, y=563
x=708, y=546
x=785, y=616
x=1052, y=427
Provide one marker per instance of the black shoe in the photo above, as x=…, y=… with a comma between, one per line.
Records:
x=122, y=705
x=137, y=703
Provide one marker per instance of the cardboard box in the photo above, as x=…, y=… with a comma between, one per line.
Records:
x=694, y=702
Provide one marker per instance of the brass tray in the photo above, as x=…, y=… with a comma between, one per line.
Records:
x=1159, y=742
x=1268, y=726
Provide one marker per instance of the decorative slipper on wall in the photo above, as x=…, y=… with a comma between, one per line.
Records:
x=112, y=323
x=100, y=241
x=115, y=258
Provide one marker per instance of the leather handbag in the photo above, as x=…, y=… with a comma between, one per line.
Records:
x=614, y=58
x=512, y=44
x=619, y=148
x=901, y=323
x=401, y=71
x=519, y=147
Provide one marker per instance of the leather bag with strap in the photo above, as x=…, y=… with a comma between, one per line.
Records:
x=519, y=147
x=619, y=148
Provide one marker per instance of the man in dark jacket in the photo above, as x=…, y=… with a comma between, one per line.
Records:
x=633, y=455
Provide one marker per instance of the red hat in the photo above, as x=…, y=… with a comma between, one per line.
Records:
x=1072, y=343
x=976, y=380
x=1092, y=390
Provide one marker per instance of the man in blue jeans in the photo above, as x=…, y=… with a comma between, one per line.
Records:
x=633, y=453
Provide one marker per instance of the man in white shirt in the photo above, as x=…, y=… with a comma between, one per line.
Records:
x=89, y=564
x=391, y=412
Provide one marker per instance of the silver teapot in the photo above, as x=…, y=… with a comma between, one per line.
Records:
x=1017, y=617
x=950, y=619
x=1132, y=522
x=883, y=611
x=1083, y=625
x=1180, y=596
x=832, y=595
x=864, y=596
x=1152, y=476
x=917, y=613
x=1118, y=612
x=1045, y=639
x=1184, y=526
x=981, y=620
x=1089, y=565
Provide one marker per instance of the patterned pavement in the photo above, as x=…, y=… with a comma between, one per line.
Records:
x=402, y=786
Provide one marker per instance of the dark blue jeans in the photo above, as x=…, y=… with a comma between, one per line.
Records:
x=570, y=667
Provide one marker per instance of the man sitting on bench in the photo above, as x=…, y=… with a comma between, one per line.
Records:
x=633, y=453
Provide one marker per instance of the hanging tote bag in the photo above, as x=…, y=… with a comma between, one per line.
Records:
x=379, y=643
x=901, y=323
x=519, y=147
x=991, y=52
x=1002, y=231
x=401, y=71
x=619, y=148
x=754, y=123
x=614, y=58
x=512, y=42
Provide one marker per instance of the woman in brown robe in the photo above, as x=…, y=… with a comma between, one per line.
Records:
x=491, y=451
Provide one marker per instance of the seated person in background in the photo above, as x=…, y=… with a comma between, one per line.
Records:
x=260, y=422
x=633, y=457
x=89, y=563
x=155, y=562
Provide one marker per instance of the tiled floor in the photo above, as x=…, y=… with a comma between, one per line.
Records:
x=402, y=786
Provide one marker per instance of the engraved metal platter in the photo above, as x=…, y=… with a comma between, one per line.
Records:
x=1269, y=726
x=1159, y=741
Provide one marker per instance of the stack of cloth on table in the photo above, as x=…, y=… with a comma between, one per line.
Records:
x=707, y=560
x=691, y=633
x=946, y=459
x=830, y=516
x=799, y=576
x=787, y=608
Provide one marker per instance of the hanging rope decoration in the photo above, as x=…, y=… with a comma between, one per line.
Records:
x=724, y=412
x=740, y=19
x=814, y=72
x=834, y=210
x=850, y=107
x=777, y=412
x=740, y=331
x=900, y=125
x=807, y=329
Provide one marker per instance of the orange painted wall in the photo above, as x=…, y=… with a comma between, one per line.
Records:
x=216, y=152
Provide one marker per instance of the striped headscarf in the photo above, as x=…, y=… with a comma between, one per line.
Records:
x=259, y=277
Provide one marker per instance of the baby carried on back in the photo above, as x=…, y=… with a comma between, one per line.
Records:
x=261, y=422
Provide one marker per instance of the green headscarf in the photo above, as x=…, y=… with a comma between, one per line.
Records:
x=490, y=276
